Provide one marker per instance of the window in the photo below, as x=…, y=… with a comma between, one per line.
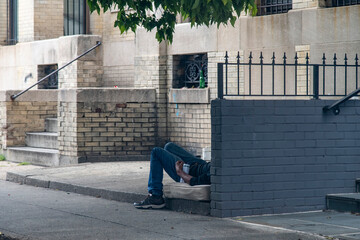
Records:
x=75, y=17
x=52, y=81
x=187, y=70
x=339, y=3
x=12, y=35
x=267, y=7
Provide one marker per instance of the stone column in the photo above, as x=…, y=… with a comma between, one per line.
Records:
x=85, y=72
x=151, y=72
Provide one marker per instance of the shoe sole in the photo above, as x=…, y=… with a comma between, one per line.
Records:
x=151, y=206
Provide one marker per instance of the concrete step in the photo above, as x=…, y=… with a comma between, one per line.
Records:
x=42, y=140
x=36, y=156
x=344, y=202
x=51, y=125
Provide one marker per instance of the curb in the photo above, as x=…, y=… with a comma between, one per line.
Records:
x=67, y=187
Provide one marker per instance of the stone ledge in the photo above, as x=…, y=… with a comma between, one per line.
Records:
x=195, y=95
x=185, y=191
x=30, y=96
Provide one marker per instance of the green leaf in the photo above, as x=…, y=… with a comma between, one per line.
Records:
x=196, y=4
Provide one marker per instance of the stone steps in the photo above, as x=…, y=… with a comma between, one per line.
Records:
x=36, y=156
x=51, y=125
x=41, y=147
x=344, y=202
x=42, y=140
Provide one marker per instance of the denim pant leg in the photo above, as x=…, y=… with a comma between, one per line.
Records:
x=161, y=159
x=182, y=153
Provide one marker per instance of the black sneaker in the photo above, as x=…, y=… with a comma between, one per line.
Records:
x=152, y=201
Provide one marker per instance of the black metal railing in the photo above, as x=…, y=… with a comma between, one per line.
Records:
x=300, y=78
x=13, y=97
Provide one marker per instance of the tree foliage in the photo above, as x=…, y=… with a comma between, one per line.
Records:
x=161, y=14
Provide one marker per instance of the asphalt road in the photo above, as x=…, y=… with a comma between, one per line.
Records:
x=36, y=213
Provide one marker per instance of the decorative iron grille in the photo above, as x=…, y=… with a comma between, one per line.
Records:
x=192, y=72
x=268, y=7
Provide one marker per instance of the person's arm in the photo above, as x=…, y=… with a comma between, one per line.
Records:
x=179, y=170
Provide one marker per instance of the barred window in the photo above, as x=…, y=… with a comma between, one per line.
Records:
x=339, y=3
x=268, y=7
x=75, y=17
x=186, y=70
x=12, y=18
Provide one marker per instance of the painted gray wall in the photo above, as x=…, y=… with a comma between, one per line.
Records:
x=280, y=156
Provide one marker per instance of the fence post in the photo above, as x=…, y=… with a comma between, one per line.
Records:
x=220, y=81
x=315, y=81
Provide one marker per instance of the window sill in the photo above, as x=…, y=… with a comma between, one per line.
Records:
x=189, y=95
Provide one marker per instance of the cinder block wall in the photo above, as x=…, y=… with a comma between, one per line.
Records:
x=278, y=156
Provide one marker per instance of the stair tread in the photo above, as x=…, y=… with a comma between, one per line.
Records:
x=355, y=196
x=55, y=134
x=33, y=149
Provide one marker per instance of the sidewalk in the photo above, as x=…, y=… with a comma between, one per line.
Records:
x=127, y=182
x=119, y=181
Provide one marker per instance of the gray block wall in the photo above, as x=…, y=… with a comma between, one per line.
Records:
x=281, y=156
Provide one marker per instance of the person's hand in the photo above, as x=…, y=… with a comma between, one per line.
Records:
x=179, y=167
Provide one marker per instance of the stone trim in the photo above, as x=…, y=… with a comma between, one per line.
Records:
x=189, y=95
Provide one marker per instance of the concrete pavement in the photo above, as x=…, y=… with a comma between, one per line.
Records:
x=30, y=213
x=127, y=182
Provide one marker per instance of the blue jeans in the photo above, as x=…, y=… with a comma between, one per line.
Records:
x=165, y=159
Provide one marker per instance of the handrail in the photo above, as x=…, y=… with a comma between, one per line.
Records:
x=335, y=107
x=13, y=97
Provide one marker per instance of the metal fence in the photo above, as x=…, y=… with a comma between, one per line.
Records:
x=281, y=78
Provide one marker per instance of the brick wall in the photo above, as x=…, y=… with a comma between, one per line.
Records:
x=281, y=156
x=85, y=72
x=151, y=71
x=106, y=124
x=26, y=114
x=3, y=27
x=189, y=125
x=48, y=19
x=121, y=76
x=26, y=20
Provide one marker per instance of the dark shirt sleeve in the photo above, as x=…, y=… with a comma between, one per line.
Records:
x=203, y=175
x=200, y=180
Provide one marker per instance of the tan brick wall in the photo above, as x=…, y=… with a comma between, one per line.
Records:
x=299, y=4
x=86, y=71
x=26, y=20
x=2, y=124
x=3, y=27
x=22, y=117
x=190, y=126
x=151, y=71
x=103, y=124
x=48, y=19
x=121, y=76
x=105, y=129
x=302, y=51
x=67, y=125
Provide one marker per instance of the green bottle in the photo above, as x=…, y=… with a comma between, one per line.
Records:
x=201, y=80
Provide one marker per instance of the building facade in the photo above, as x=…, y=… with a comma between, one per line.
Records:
x=40, y=36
